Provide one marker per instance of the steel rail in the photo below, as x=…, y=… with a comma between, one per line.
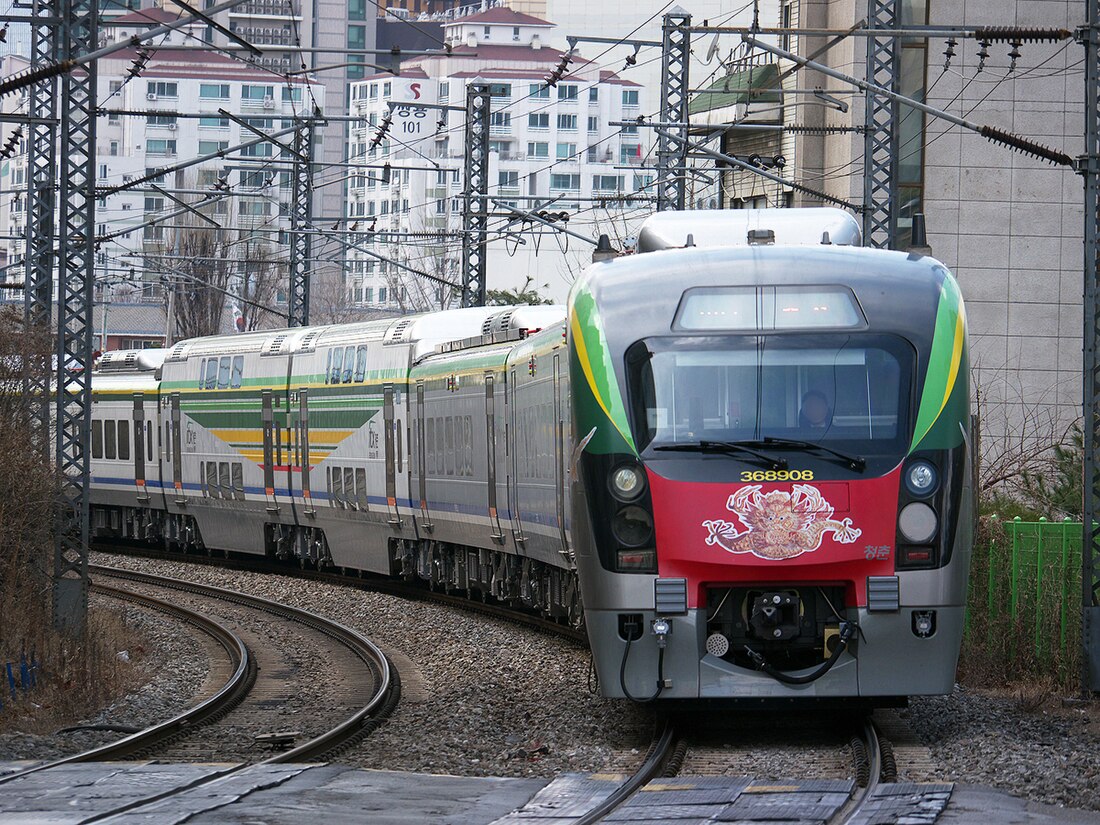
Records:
x=650, y=768
x=854, y=807
x=225, y=699
x=359, y=723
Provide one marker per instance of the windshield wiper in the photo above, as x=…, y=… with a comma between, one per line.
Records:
x=729, y=447
x=854, y=462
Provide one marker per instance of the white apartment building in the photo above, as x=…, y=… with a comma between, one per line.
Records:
x=552, y=149
x=179, y=95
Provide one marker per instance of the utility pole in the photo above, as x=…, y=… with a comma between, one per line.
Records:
x=672, y=153
x=41, y=201
x=79, y=33
x=475, y=198
x=880, y=150
x=301, y=220
x=1089, y=167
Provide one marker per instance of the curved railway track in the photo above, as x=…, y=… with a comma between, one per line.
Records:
x=224, y=699
x=343, y=642
x=235, y=692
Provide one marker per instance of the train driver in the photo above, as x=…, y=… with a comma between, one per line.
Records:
x=816, y=414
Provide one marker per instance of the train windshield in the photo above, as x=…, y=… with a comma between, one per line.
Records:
x=839, y=390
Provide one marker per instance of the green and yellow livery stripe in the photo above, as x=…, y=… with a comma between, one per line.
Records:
x=590, y=347
x=946, y=379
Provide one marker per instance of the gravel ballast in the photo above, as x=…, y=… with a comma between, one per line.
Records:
x=488, y=698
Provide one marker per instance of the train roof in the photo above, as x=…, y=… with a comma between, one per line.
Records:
x=895, y=290
x=131, y=360
x=423, y=333
x=804, y=226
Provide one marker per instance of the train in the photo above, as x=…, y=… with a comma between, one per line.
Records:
x=740, y=457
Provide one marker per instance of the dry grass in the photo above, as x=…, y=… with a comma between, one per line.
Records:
x=76, y=674
x=1032, y=654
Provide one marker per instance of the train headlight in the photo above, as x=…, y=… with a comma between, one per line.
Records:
x=632, y=526
x=627, y=482
x=917, y=522
x=921, y=479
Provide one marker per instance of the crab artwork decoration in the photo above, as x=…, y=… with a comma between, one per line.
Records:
x=778, y=525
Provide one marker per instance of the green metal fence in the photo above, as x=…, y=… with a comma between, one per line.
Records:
x=1031, y=582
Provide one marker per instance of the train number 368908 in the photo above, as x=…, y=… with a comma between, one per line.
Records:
x=777, y=475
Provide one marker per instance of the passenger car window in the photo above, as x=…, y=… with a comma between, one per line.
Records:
x=238, y=371
x=223, y=373
x=361, y=363
x=124, y=440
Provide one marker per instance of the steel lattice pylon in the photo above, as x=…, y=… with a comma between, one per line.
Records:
x=672, y=154
x=879, y=145
x=41, y=202
x=1089, y=166
x=476, y=195
x=301, y=222
x=76, y=222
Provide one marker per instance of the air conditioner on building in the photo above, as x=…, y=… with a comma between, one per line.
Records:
x=269, y=102
x=151, y=96
x=171, y=127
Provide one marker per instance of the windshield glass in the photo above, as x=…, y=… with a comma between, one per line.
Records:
x=839, y=390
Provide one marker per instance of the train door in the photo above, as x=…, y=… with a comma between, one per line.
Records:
x=176, y=447
x=139, y=448
x=559, y=456
x=389, y=438
x=491, y=457
x=421, y=460
x=299, y=411
x=270, y=433
x=513, y=464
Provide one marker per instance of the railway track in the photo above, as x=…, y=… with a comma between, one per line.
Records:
x=670, y=749
x=363, y=683
x=232, y=700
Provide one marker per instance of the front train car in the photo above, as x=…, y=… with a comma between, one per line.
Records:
x=772, y=493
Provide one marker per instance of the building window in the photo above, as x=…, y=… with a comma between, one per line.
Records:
x=214, y=122
x=593, y=124
x=630, y=153
x=515, y=32
x=357, y=9
x=559, y=181
x=538, y=120
x=153, y=204
x=539, y=90
x=485, y=32
x=159, y=89
x=538, y=150
x=567, y=122
x=785, y=22
x=607, y=183
x=567, y=91
x=444, y=90
x=160, y=147
x=508, y=180
x=292, y=94
x=214, y=91
x=257, y=93
x=501, y=119
x=630, y=97
x=566, y=150
x=209, y=147
x=593, y=94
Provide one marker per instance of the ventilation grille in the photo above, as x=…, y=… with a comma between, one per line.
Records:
x=670, y=597
x=396, y=333
x=309, y=341
x=274, y=346
x=179, y=352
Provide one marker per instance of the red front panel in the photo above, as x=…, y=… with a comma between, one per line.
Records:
x=775, y=532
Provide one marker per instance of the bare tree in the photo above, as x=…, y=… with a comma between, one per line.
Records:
x=261, y=274
x=197, y=282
